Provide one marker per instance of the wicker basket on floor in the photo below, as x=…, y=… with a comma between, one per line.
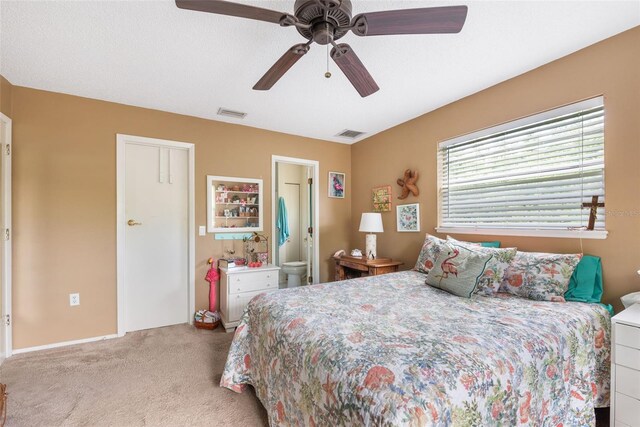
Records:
x=203, y=325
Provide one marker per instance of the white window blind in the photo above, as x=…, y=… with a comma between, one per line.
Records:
x=530, y=174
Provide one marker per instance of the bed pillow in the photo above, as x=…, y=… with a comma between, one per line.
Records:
x=540, y=276
x=585, y=284
x=458, y=270
x=496, y=267
x=429, y=253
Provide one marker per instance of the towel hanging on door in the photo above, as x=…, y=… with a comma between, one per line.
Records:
x=283, y=222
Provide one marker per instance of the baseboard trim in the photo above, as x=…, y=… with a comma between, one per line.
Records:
x=63, y=344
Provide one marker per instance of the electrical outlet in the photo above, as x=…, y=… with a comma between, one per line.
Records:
x=74, y=299
x=202, y=230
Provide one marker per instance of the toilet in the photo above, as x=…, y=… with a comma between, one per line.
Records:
x=295, y=271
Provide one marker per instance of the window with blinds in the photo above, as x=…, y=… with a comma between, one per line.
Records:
x=530, y=174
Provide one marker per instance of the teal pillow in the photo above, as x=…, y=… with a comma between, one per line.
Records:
x=458, y=270
x=585, y=284
x=494, y=244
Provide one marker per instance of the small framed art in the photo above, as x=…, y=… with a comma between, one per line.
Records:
x=336, y=185
x=408, y=217
x=382, y=198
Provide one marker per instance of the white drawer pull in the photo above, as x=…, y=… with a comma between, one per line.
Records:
x=268, y=276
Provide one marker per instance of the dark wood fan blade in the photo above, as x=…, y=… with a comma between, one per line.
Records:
x=431, y=20
x=232, y=9
x=353, y=68
x=281, y=66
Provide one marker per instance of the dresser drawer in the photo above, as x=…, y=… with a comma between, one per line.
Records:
x=628, y=382
x=237, y=304
x=627, y=411
x=254, y=281
x=627, y=356
x=627, y=335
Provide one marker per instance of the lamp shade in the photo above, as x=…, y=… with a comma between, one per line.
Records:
x=371, y=222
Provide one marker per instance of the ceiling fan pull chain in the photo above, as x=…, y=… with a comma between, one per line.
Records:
x=328, y=73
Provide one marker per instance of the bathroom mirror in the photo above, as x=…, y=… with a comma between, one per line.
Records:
x=234, y=204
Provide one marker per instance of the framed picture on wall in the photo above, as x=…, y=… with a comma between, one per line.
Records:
x=336, y=185
x=408, y=217
x=381, y=198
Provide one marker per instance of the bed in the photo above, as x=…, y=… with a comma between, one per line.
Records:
x=390, y=350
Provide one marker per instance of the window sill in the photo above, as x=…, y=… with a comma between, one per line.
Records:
x=568, y=234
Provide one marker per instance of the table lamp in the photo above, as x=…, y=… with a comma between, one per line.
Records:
x=371, y=223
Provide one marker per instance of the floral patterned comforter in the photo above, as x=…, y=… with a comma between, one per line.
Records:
x=390, y=350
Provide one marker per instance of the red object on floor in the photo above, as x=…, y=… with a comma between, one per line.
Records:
x=212, y=277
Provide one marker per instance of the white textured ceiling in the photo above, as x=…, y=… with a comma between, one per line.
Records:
x=152, y=54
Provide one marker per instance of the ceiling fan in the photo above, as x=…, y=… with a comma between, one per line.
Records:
x=325, y=21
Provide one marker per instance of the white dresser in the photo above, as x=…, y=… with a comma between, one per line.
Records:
x=625, y=368
x=239, y=285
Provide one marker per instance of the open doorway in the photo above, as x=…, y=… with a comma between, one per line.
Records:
x=294, y=201
x=6, y=148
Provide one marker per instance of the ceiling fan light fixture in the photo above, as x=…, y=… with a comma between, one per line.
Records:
x=326, y=21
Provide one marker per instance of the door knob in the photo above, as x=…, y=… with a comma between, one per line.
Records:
x=133, y=222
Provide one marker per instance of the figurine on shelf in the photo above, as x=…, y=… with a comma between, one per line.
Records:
x=221, y=187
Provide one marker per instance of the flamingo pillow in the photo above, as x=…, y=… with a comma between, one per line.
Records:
x=496, y=267
x=458, y=270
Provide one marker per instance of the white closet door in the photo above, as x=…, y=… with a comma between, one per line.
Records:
x=156, y=236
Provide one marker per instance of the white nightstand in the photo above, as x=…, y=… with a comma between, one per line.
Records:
x=625, y=368
x=239, y=285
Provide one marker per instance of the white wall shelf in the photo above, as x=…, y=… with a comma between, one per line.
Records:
x=234, y=205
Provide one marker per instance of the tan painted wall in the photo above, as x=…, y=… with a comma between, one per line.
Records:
x=64, y=203
x=6, y=92
x=610, y=68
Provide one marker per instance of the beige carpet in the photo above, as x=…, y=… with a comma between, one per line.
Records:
x=160, y=377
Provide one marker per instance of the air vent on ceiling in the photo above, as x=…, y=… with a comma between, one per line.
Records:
x=352, y=134
x=231, y=113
